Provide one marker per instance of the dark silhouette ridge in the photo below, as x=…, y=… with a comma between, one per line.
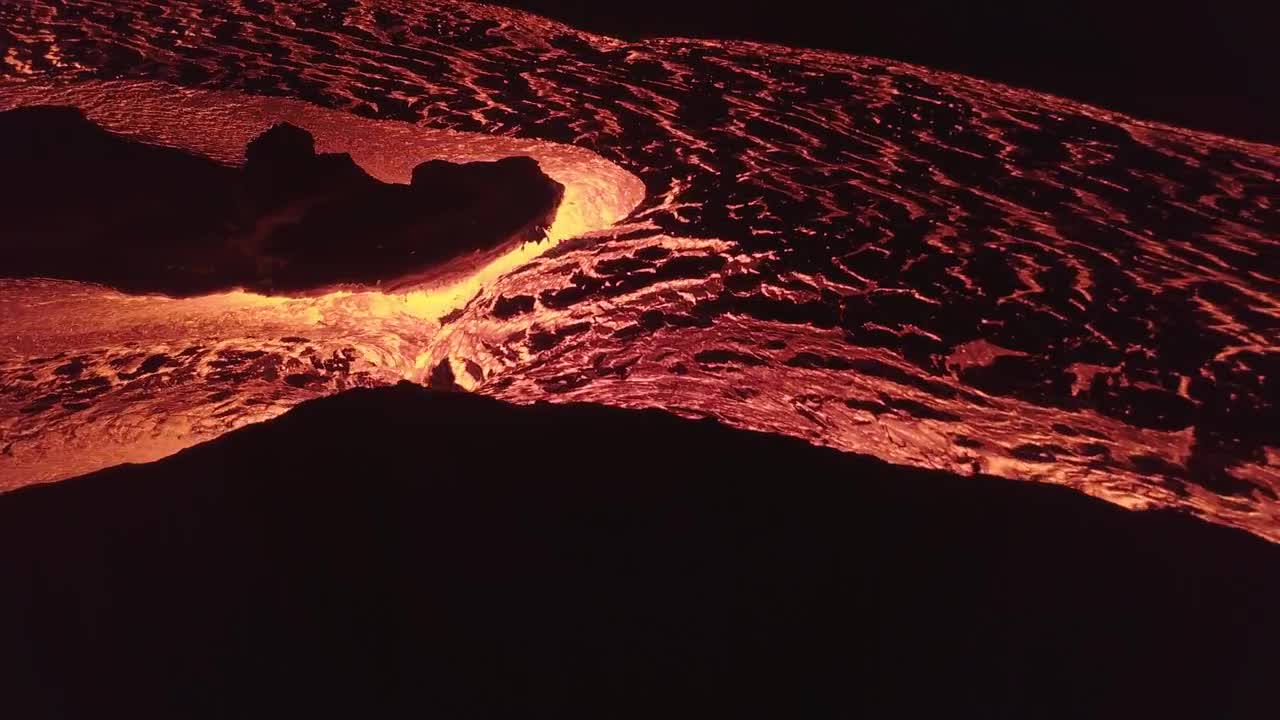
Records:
x=83, y=204
x=404, y=553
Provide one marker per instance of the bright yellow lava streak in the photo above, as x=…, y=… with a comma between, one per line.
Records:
x=389, y=331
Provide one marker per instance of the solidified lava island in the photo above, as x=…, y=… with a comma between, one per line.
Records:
x=82, y=204
x=937, y=270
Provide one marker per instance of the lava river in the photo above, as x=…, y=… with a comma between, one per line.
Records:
x=926, y=267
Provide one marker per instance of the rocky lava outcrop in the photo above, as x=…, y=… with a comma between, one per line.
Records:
x=83, y=204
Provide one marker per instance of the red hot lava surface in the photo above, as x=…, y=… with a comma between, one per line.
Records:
x=926, y=267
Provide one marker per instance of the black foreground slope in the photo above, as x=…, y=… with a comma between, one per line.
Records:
x=400, y=552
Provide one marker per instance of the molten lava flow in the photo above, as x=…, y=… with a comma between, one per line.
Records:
x=91, y=377
x=874, y=256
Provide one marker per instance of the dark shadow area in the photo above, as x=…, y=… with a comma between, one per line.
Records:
x=1195, y=64
x=404, y=553
x=81, y=203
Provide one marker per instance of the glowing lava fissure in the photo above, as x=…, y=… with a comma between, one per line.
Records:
x=874, y=256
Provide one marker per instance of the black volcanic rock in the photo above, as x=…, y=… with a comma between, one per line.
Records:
x=400, y=552
x=281, y=147
x=83, y=204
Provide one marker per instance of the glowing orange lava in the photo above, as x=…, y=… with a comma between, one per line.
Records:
x=882, y=258
x=376, y=337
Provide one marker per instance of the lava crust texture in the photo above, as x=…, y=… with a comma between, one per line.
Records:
x=873, y=256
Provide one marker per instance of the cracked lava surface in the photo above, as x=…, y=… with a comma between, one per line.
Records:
x=933, y=269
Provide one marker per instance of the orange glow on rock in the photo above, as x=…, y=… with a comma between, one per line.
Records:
x=364, y=337
x=933, y=269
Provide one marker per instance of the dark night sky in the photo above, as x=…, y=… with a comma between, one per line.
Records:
x=1210, y=65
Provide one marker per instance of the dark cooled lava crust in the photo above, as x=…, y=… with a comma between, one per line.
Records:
x=82, y=204
x=1115, y=275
